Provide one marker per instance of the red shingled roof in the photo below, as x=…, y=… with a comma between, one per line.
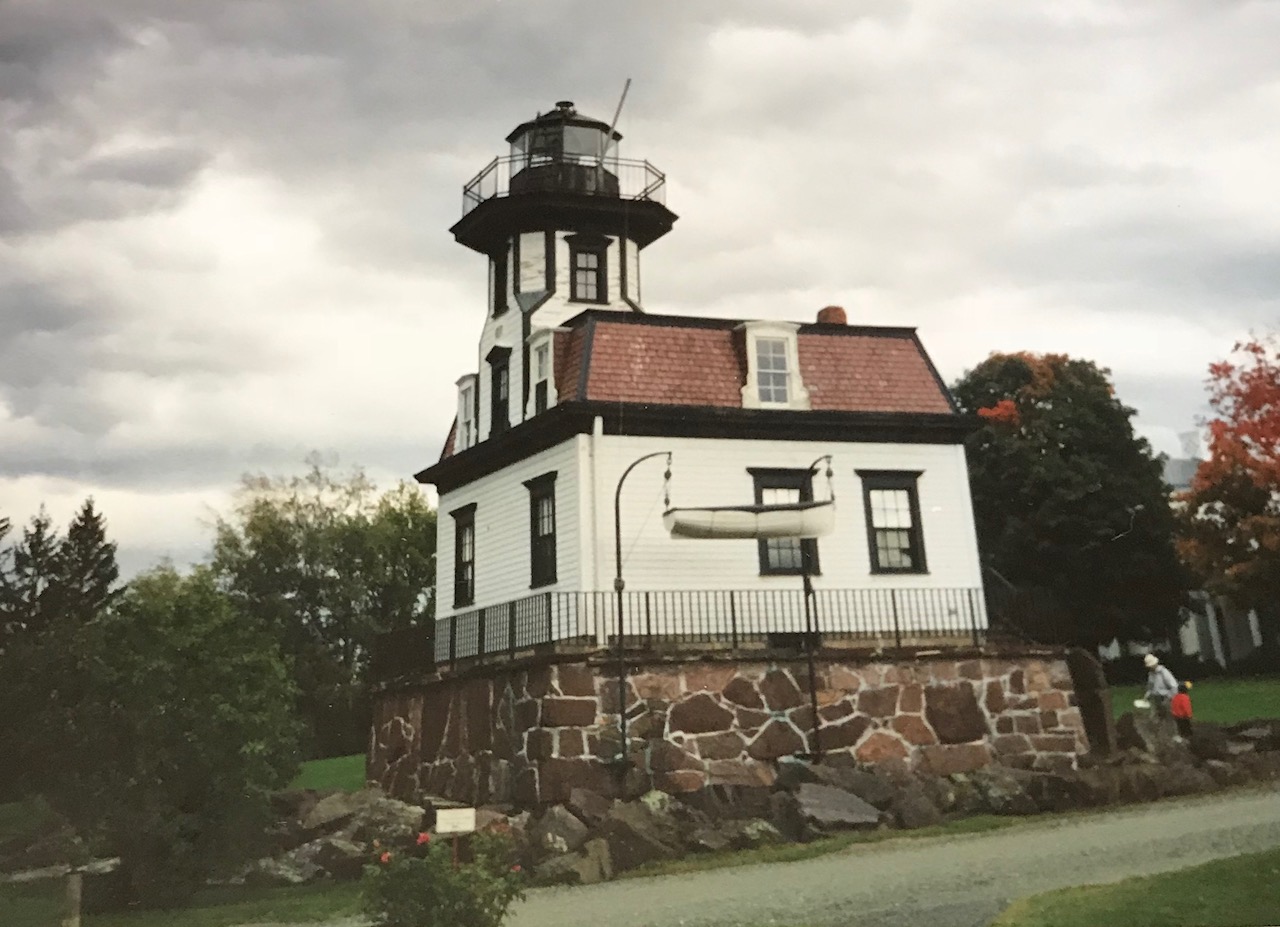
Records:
x=668, y=361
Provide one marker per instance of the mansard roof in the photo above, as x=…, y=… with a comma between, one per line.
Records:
x=684, y=375
x=682, y=361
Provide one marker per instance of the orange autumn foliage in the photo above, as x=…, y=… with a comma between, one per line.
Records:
x=1005, y=412
x=1231, y=526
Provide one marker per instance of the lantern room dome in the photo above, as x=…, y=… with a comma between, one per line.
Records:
x=563, y=134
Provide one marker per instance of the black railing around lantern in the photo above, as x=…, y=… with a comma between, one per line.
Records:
x=621, y=178
x=880, y=617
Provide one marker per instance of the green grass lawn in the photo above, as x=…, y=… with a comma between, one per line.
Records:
x=39, y=904
x=1225, y=701
x=339, y=772
x=1241, y=890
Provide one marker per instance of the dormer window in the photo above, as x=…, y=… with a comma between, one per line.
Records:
x=771, y=370
x=773, y=367
x=541, y=373
x=467, y=431
x=587, y=268
x=542, y=395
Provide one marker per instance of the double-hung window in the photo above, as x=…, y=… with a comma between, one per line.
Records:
x=542, y=529
x=464, y=556
x=894, y=534
x=541, y=374
x=587, y=269
x=771, y=370
x=781, y=556
x=466, y=415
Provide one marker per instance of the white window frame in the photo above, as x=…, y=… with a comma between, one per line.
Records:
x=754, y=333
x=468, y=423
x=544, y=338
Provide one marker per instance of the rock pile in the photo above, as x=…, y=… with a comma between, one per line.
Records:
x=588, y=837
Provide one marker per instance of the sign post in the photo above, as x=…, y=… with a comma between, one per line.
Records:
x=455, y=822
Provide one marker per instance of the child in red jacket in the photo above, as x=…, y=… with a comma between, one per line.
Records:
x=1180, y=708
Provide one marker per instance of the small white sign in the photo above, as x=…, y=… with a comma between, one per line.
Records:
x=455, y=820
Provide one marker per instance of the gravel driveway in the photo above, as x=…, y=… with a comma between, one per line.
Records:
x=944, y=882
x=961, y=881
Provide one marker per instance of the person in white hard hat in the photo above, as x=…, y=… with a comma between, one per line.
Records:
x=1161, y=686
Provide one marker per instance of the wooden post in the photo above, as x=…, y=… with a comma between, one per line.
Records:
x=75, y=886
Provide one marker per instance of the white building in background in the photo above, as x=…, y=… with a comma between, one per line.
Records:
x=573, y=383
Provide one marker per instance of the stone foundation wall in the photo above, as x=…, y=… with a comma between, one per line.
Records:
x=529, y=735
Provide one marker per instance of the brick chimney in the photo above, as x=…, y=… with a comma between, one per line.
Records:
x=832, y=315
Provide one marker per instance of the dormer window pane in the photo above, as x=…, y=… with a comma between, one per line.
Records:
x=771, y=369
x=541, y=361
x=467, y=420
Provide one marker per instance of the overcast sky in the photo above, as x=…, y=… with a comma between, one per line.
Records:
x=223, y=226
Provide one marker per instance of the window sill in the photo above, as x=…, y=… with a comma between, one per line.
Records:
x=543, y=583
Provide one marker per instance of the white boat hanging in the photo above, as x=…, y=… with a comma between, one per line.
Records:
x=792, y=520
x=787, y=520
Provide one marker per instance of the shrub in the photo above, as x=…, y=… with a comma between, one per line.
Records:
x=422, y=887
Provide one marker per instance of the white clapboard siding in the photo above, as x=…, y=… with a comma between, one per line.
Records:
x=714, y=472
x=503, y=559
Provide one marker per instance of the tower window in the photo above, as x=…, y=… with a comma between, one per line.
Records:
x=893, y=521
x=542, y=530
x=771, y=369
x=780, y=487
x=464, y=556
x=587, y=274
x=499, y=390
x=501, y=282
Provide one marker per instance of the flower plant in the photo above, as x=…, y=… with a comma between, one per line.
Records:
x=423, y=886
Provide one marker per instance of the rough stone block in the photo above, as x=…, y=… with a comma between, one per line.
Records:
x=557, y=831
x=745, y=774
x=777, y=738
x=780, y=691
x=724, y=746
x=709, y=677
x=576, y=680
x=665, y=756
x=845, y=678
x=949, y=759
x=570, y=742
x=680, y=780
x=526, y=714
x=911, y=699
x=664, y=684
x=953, y=713
x=970, y=669
x=1027, y=724
x=743, y=692
x=914, y=730
x=1006, y=744
x=589, y=807
x=749, y=721
x=912, y=809
x=846, y=734
x=878, y=703
x=559, y=777
x=539, y=744
x=700, y=714
x=836, y=711
x=995, y=698
x=568, y=712
x=1052, y=700
x=828, y=808
x=881, y=746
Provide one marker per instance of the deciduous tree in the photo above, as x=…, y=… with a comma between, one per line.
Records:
x=1230, y=526
x=326, y=563
x=1070, y=504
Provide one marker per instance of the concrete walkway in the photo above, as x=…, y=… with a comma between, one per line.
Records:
x=961, y=881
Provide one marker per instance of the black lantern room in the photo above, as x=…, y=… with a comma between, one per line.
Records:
x=563, y=173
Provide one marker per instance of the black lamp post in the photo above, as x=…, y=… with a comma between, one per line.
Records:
x=618, y=586
x=810, y=619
